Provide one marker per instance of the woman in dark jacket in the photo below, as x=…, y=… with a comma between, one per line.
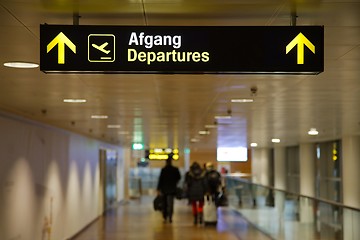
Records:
x=195, y=183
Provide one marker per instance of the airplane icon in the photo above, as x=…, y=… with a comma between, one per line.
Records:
x=104, y=45
x=101, y=47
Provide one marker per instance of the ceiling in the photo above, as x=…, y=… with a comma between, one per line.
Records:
x=162, y=110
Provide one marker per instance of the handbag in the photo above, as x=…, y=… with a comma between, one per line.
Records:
x=179, y=194
x=158, y=203
x=209, y=210
x=221, y=200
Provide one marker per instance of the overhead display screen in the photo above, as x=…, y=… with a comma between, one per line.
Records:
x=231, y=154
x=182, y=49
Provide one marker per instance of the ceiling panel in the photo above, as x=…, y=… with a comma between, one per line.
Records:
x=170, y=110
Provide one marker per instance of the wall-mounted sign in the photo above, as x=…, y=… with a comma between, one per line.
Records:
x=182, y=49
x=161, y=154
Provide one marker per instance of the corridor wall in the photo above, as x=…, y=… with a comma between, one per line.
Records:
x=49, y=180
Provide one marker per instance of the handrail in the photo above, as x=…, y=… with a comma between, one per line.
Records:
x=296, y=194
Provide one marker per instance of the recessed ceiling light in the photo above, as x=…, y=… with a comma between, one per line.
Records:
x=243, y=100
x=313, y=132
x=275, y=140
x=21, y=65
x=70, y=100
x=99, y=116
x=253, y=144
x=194, y=140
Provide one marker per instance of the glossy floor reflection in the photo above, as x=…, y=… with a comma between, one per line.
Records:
x=137, y=220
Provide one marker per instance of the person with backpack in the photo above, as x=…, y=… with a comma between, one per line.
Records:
x=215, y=185
x=196, y=188
x=213, y=179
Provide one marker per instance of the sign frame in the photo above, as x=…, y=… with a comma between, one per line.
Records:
x=189, y=50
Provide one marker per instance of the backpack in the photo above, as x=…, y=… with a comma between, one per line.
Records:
x=213, y=179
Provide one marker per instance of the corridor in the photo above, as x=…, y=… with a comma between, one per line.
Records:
x=136, y=219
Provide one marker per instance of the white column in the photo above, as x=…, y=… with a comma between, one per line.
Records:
x=351, y=189
x=260, y=169
x=260, y=165
x=280, y=171
x=307, y=169
x=280, y=180
x=351, y=171
x=307, y=180
x=186, y=159
x=127, y=166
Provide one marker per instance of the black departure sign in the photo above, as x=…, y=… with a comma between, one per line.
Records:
x=180, y=49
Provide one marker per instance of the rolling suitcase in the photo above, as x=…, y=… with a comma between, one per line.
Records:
x=210, y=211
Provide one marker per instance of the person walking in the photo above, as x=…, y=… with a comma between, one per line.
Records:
x=167, y=184
x=213, y=179
x=196, y=188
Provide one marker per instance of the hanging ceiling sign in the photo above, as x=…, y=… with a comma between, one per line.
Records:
x=161, y=154
x=180, y=49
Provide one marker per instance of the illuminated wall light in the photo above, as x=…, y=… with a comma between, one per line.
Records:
x=244, y=100
x=70, y=100
x=313, y=132
x=253, y=144
x=99, y=116
x=21, y=65
x=275, y=140
x=194, y=140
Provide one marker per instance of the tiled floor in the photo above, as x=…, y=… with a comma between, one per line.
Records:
x=136, y=220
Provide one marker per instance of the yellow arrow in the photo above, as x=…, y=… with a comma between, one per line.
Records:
x=61, y=40
x=300, y=40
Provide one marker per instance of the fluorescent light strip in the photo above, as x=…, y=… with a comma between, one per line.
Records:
x=244, y=100
x=223, y=117
x=253, y=144
x=99, y=116
x=69, y=100
x=210, y=126
x=21, y=65
x=123, y=132
x=113, y=126
x=275, y=140
x=204, y=132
